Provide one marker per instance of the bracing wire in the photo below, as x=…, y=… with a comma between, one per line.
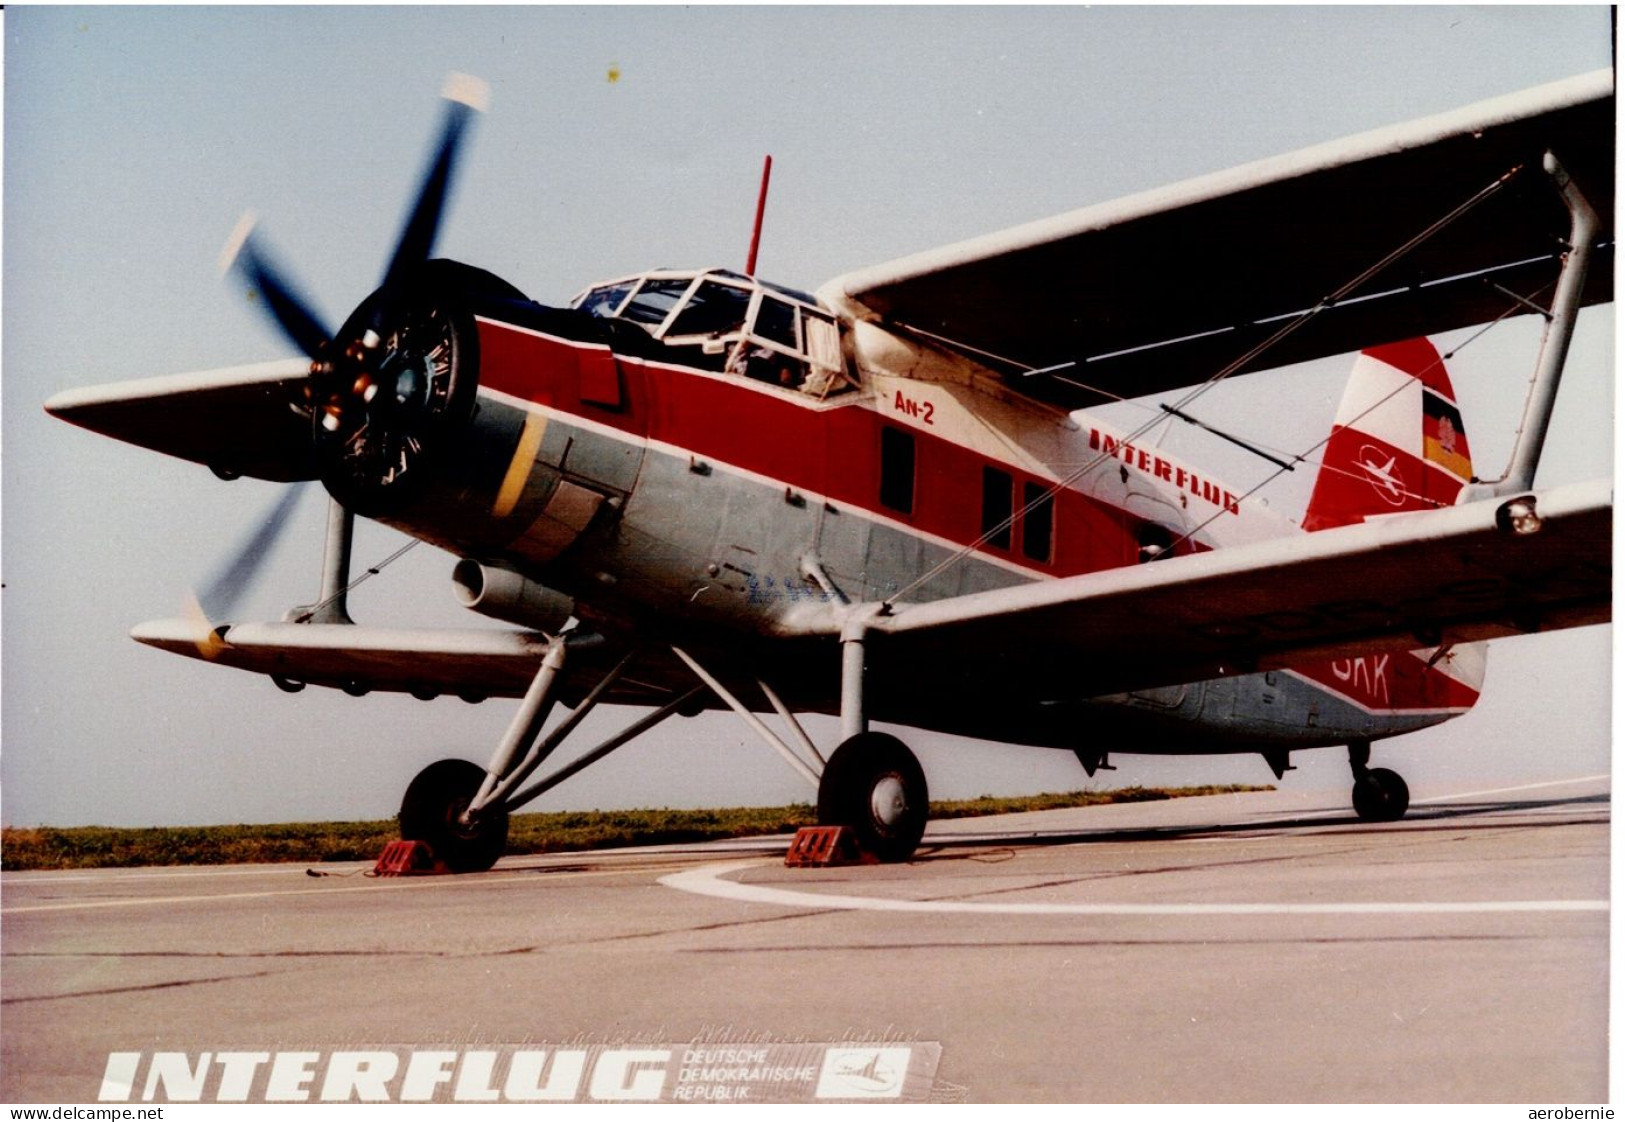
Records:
x=1322, y=442
x=306, y=615
x=1288, y=328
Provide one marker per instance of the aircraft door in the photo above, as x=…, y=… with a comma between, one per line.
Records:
x=1155, y=525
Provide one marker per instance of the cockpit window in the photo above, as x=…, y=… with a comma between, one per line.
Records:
x=604, y=300
x=714, y=310
x=776, y=322
x=655, y=299
x=724, y=321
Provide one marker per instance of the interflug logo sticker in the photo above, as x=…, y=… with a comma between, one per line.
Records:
x=696, y=1072
x=864, y=1073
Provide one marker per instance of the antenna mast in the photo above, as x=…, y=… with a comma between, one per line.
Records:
x=761, y=208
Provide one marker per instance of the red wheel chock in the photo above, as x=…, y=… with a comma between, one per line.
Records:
x=407, y=859
x=823, y=846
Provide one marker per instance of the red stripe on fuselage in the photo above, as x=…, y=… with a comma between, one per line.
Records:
x=830, y=449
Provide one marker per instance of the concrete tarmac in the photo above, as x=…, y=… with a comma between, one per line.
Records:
x=1251, y=948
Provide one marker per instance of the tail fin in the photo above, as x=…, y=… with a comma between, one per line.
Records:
x=1398, y=442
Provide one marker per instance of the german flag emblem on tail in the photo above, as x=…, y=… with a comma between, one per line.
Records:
x=1444, y=440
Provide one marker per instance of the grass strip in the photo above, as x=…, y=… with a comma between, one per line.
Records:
x=95, y=847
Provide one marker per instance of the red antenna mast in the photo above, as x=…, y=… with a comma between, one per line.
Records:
x=761, y=208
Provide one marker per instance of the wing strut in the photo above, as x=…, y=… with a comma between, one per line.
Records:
x=523, y=748
x=1554, y=345
x=751, y=719
x=520, y=752
x=332, y=603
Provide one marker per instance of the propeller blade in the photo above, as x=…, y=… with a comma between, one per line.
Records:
x=465, y=96
x=286, y=305
x=222, y=595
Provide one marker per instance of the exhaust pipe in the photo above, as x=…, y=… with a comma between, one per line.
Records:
x=500, y=593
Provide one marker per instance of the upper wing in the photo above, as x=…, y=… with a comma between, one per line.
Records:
x=1400, y=582
x=243, y=420
x=1165, y=288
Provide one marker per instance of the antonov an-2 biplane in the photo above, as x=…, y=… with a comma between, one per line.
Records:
x=692, y=488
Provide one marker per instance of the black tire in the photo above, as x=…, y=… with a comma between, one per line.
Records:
x=1381, y=795
x=434, y=801
x=874, y=785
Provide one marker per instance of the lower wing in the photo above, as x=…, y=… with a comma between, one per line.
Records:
x=1401, y=582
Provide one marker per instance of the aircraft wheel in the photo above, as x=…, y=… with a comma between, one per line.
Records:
x=430, y=813
x=874, y=785
x=1380, y=795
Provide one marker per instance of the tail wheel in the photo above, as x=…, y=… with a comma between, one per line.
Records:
x=874, y=785
x=1381, y=795
x=432, y=810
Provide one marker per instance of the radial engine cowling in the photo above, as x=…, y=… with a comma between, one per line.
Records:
x=504, y=594
x=395, y=392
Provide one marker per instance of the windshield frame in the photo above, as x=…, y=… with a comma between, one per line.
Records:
x=724, y=348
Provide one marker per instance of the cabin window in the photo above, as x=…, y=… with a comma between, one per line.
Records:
x=998, y=504
x=1038, y=523
x=897, y=469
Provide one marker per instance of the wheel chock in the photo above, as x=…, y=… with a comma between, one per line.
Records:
x=823, y=846
x=407, y=859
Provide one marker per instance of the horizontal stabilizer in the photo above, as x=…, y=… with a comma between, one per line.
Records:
x=241, y=420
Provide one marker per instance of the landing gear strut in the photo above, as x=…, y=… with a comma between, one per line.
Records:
x=461, y=809
x=1380, y=795
x=872, y=784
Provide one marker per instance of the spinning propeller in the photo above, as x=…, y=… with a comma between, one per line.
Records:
x=380, y=384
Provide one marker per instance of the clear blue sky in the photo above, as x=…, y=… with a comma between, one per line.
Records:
x=135, y=137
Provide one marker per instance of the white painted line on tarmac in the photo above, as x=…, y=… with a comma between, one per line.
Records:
x=1511, y=790
x=708, y=880
x=373, y=885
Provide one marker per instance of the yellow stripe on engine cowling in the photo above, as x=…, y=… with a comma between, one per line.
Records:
x=524, y=458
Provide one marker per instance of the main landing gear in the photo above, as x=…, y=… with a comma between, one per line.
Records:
x=872, y=783
x=1380, y=795
x=433, y=812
